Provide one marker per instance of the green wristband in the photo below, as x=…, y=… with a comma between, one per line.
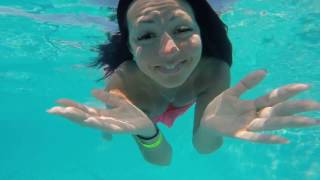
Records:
x=153, y=145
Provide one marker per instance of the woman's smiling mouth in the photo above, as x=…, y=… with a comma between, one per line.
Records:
x=170, y=69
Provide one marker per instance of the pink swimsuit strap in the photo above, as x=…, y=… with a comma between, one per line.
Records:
x=171, y=114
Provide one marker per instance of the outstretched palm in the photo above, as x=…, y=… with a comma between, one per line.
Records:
x=123, y=117
x=227, y=115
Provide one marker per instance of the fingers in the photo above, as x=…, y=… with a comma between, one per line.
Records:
x=113, y=98
x=280, y=94
x=68, y=102
x=109, y=124
x=70, y=113
x=275, y=123
x=261, y=138
x=247, y=83
x=84, y=108
x=292, y=107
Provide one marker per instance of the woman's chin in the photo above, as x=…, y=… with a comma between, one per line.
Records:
x=171, y=83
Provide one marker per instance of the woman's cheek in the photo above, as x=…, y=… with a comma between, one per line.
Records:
x=192, y=44
x=138, y=51
x=196, y=41
x=148, y=54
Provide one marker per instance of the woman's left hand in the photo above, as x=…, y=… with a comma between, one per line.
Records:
x=227, y=115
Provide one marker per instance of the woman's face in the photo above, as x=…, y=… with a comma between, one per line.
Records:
x=164, y=39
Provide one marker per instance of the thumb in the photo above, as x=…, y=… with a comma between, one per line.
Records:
x=112, y=98
x=105, y=97
x=261, y=138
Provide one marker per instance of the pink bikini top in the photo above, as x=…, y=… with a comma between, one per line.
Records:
x=171, y=114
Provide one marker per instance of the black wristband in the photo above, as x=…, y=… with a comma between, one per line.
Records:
x=149, y=138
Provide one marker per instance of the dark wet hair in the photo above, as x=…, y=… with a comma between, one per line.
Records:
x=215, y=41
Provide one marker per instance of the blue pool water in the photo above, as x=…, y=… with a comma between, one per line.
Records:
x=44, y=46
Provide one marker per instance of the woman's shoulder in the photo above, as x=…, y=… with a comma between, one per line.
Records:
x=121, y=76
x=211, y=63
x=126, y=79
x=210, y=70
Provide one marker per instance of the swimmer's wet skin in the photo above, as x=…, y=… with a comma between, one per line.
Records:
x=169, y=53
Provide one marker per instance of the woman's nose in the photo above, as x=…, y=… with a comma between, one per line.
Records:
x=168, y=47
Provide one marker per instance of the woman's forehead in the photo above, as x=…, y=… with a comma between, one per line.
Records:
x=141, y=9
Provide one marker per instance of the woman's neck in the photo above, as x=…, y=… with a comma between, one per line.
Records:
x=167, y=93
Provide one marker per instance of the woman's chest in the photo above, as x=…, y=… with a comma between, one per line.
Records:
x=154, y=103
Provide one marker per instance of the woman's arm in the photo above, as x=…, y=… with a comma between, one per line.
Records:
x=203, y=140
x=160, y=155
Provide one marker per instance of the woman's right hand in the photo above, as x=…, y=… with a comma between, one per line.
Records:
x=123, y=117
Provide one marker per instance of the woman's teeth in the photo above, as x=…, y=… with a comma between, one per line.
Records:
x=170, y=69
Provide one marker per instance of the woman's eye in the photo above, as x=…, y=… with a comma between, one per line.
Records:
x=146, y=36
x=183, y=29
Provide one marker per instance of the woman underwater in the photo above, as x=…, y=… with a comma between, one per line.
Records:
x=167, y=56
